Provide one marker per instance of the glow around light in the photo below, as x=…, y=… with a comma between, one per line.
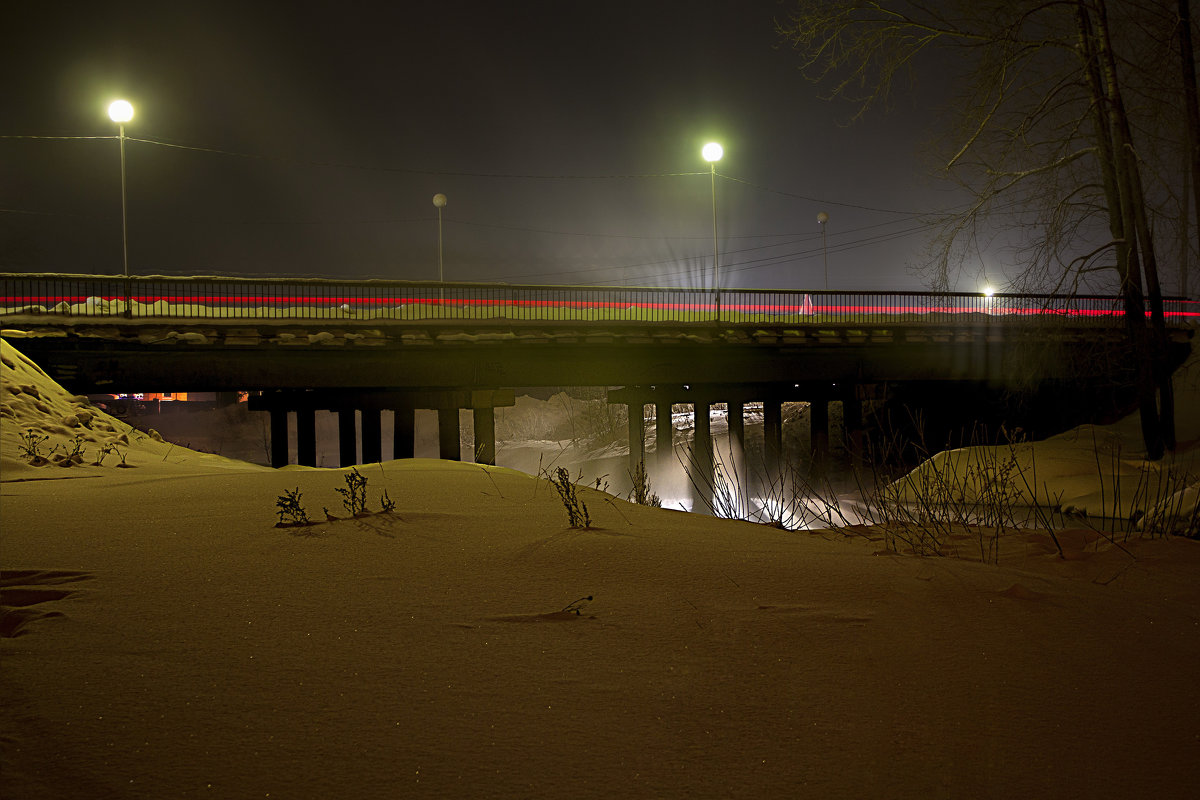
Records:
x=712, y=151
x=988, y=291
x=120, y=111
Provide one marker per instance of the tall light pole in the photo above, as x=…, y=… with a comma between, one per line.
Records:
x=712, y=153
x=439, y=201
x=823, y=218
x=120, y=112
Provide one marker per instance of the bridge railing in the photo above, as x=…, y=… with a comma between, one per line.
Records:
x=95, y=298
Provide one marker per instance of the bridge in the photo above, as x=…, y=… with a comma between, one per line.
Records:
x=368, y=347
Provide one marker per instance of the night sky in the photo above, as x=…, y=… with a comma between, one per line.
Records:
x=565, y=134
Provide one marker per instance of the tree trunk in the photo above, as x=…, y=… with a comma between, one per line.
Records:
x=1192, y=116
x=1130, y=174
x=1118, y=193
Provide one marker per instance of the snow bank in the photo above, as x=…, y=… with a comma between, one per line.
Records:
x=162, y=638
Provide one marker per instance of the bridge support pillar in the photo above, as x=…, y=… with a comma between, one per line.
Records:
x=664, y=436
x=772, y=436
x=448, y=435
x=279, y=438
x=637, y=435
x=404, y=427
x=852, y=421
x=702, y=456
x=485, y=435
x=818, y=417
x=372, y=436
x=347, y=438
x=735, y=414
x=306, y=437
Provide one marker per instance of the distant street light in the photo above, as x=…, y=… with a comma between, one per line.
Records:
x=712, y=153
x=120, y=112
x=822, y=218
x=439, y=200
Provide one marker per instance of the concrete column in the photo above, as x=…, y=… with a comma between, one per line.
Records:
x=372, y=436
x=448, y=435
x=818, y=417
x=736, y=417
x=485, y=435
x=772, y=436
x=306, y=437
x=664, y=435
x=702, y=452
x=404, y=429
x=637, y=435
x=279, y=437
x=852, y=421
x=347, y=438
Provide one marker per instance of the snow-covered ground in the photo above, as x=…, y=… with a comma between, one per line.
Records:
x=1091, y=470
x=163, y=638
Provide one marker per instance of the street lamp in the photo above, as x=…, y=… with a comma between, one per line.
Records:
x=439, y=201
x=822, y=218
x=712, y=153
x=120, y=112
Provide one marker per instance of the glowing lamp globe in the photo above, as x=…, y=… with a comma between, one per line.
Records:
x=439, y=200
x=120, y=111
x=712, y=152
x=822, y=218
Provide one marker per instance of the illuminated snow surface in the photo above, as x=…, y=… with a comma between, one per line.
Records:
x=164, y=639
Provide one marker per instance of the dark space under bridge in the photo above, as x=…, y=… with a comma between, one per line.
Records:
x=367, y=347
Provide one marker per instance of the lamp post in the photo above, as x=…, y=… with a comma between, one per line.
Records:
x=439, y=201
x=823, y=218
x=712, y=153
x=120, y=112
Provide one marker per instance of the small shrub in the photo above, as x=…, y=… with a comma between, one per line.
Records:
x=641, y=492
x=386, y=503
x=577, y=606
x=104, y=451
x=577, y=513
x=76, y=448
x=354, y=496
x=291, y=512
x=31, y=444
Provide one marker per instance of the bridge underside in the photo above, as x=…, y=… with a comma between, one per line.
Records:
x=448, y=367
x=146, y=358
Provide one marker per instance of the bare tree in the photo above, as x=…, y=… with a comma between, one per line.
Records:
x=1056, y=133
x=1191, y=106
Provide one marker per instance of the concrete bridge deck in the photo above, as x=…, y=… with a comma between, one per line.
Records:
x=368, y=347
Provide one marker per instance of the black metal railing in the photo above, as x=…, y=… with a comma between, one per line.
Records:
x=90, y=297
